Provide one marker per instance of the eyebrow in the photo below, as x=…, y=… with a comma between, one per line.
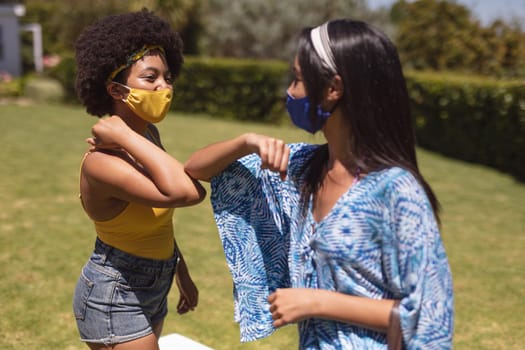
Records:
x=155, y=69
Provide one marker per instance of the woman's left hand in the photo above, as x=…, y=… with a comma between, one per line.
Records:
x=189, y=294
x=108, y=133
x=291, y=305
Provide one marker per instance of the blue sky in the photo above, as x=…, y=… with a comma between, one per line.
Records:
x=484, y=10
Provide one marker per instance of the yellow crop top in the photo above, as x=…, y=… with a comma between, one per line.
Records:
x=140, y=230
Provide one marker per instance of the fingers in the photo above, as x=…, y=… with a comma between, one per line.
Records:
x=92, y=141
x=189, y=294
x=284, y=163
x=182, y=307
x=190, y=300
x=272, y=297
x=277, y=317
x=285, y=307
x=108, y=131
x=274, y=154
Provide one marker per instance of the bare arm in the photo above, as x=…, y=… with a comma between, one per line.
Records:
x=158, y=179
x=212, y=159
x=296, y=304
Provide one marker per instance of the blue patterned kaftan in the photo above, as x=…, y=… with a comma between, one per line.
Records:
x=380, y=240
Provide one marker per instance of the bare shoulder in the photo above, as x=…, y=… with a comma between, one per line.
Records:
x=102, y=165
x=99, y=176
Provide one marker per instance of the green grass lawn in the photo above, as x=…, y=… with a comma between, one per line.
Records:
x=45, y=237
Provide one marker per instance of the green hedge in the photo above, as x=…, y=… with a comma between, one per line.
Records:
x=470, y=118
x=251, y=90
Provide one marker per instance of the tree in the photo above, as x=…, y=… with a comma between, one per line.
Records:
x=433, y=34
x=509, y=41
x=235, y=28
x=183, y=15
x=62, y=21
x=268, y=29
x=442, y=35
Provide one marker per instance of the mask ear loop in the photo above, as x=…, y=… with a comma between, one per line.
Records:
x=325, y=114
x=336, y=104
x=124, y=86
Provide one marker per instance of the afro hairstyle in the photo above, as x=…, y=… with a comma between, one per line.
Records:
x=106, y=45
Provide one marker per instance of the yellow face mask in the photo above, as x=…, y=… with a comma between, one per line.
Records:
x=151, y=106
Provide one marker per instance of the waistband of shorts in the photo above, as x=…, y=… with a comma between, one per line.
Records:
x=119, y=258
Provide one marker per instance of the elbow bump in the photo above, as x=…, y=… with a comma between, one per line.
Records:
x=188, y=198
x=198, y=196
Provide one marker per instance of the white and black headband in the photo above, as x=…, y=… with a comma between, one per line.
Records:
x=321, y=42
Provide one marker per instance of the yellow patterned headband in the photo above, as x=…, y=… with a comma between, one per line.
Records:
x=134, y=57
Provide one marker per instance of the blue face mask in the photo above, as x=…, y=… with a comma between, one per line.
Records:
x=299, y=108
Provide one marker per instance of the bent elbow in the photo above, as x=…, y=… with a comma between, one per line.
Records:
x=195, y=172
x=198, y=195
x=191, y=196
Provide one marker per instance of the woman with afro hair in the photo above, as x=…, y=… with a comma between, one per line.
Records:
x=129, y=185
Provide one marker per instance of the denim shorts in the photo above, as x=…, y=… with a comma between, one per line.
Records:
x=120, y=297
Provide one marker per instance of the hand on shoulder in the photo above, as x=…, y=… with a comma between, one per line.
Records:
x=109, y=133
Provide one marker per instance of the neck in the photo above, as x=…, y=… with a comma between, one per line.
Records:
x=136, y=123
x=340, y=149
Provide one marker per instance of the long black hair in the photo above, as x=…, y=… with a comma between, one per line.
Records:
x=375, y=101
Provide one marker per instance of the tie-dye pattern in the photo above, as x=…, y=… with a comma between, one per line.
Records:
x=380, y=240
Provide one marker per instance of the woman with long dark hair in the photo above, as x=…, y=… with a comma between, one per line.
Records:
x=347, y=236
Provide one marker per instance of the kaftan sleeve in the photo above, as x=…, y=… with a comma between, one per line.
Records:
x=423, y=273
x=253, y=228
x=253, y=210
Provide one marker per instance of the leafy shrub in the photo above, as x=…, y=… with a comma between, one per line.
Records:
x=232, y=89
x=12, y=87
x=43, y=90
x=471, y=118
x=65, y=73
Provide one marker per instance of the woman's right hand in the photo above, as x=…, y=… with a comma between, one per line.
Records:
x=274, y=153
